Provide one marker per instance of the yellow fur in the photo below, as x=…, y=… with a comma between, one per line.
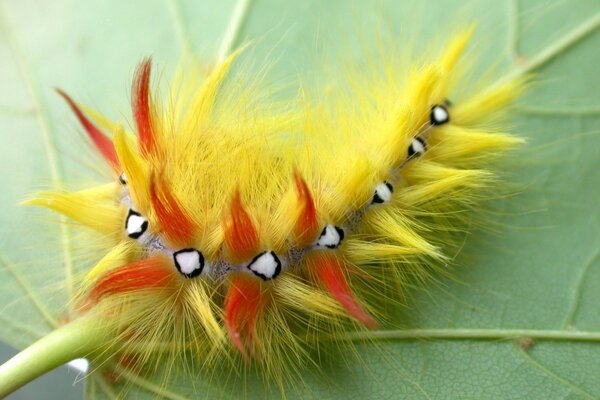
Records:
x=219, y=134
x=96, y=208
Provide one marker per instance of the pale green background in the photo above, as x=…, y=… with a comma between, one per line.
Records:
x=539, y=268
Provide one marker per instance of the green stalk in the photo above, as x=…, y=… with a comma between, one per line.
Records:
x=75, y=340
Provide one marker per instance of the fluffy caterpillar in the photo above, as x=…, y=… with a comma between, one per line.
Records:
x=237, y=230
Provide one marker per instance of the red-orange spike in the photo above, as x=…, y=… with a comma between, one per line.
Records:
x=150, y=273
x=176, y=225
x=244, y=304
x=328, y=270
x=241, y=236
x=103, y=144
x=142, y=113
x=307, y=225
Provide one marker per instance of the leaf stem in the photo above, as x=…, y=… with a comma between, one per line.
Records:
x=474, y=334
x=74, y=340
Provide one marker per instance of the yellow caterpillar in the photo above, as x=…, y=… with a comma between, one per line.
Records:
x=238, y=229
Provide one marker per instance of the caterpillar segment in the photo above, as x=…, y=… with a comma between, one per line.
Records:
x=219, y=215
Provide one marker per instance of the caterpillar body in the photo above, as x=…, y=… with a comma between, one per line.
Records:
x=238, y=229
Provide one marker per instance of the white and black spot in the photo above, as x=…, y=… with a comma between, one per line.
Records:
x=417, y=147
x=135, y=224
x=123, y=179
x=331, y=237
x=383, y=193
x=439, y=115
x=266, y=265
x=189, y=262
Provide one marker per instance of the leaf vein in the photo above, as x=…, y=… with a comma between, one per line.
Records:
x=232, y=33
x=22, y=328
x=35, y=301
x=571, y=314
x=474, y=334
x=550, y=52
x=548, y=372
x=48, y=133
x=180, y=26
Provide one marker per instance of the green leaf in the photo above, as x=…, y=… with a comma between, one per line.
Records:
x=522, y=319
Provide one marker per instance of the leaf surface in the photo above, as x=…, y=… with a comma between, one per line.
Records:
x=508, y=327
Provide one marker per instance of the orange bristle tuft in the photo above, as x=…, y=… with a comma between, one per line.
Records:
x=241, y=236
x=103, y=144
x=328, y=270
x=141, y=107
x=244, y=304
x=307, y=225
x=176, y=225
x=150, y=273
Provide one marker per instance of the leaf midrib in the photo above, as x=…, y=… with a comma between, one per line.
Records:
x=475, y=334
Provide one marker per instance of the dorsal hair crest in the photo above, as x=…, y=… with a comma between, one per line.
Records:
x=143, y=113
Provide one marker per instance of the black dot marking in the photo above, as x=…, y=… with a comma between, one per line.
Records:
x=259, y=270
x=142, y=228
x=439, y=115
x=416, y=147
x=123, y=179
x=389, y=186
x=189, y=270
